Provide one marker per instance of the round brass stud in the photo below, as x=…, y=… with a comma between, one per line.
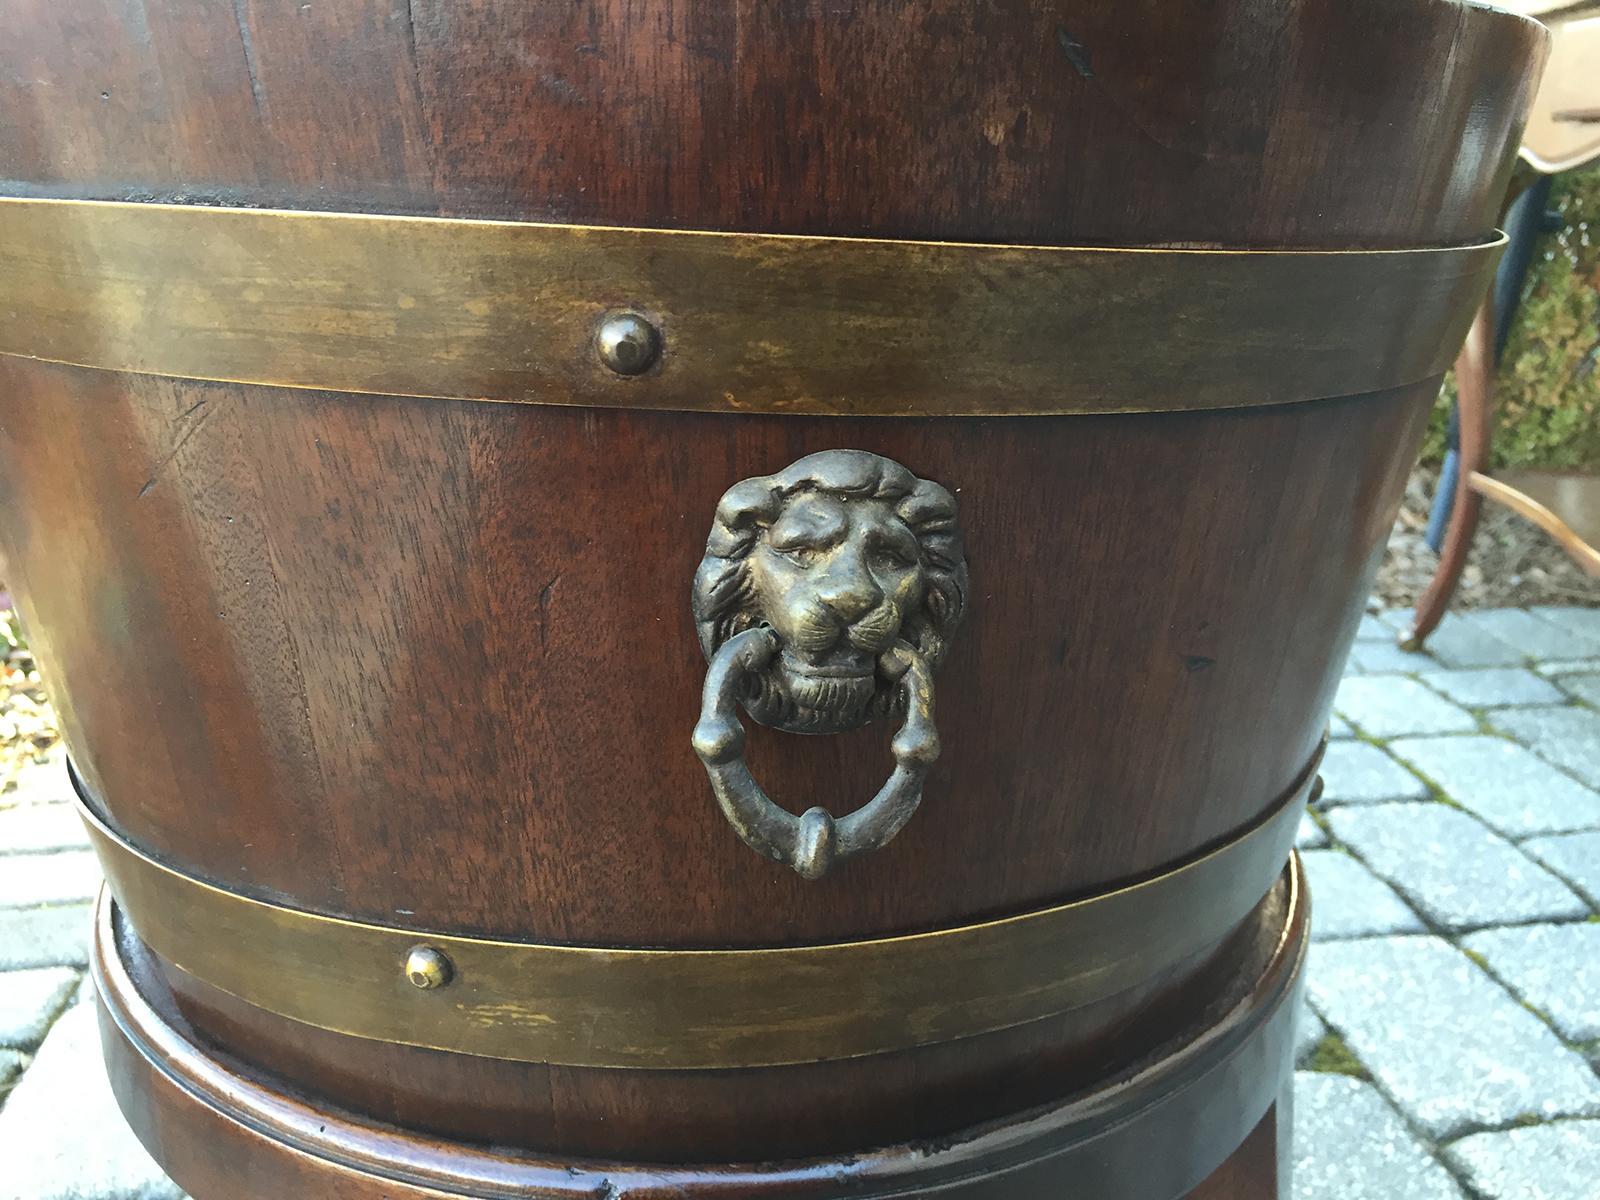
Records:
x=627, y=343
x=427, y=968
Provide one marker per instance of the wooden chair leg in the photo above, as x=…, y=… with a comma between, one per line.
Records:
x=1259, y=1168
x=1475, y=392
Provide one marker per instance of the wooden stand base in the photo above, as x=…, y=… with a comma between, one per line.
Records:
x=1204, y=1119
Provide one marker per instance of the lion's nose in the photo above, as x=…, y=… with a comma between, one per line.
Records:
x=849, y=596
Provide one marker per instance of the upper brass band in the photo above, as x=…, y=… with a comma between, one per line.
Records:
x=681, y=1009
x=717, y=322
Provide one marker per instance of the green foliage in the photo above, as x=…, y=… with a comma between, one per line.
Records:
x=1332, y=1057
x=1548, y=402
x=11, y=635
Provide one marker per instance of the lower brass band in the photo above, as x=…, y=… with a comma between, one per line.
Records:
x=693, y=1009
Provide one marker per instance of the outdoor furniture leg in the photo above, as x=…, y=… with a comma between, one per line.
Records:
x=1475, y=395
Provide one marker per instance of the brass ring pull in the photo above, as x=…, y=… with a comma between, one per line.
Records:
x=812, y=842
x=825, y=600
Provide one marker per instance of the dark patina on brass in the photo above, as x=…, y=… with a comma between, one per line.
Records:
x=825, y=600
x=1095, y=1143
x=515, y=311
x=697, y=1009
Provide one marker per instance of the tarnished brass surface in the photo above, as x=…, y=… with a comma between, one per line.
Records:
x=510, y=311
x=1150, y=1134
x=814, y=841
x=826, y=598
x=599, y=1007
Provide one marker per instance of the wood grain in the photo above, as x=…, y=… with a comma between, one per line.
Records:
x=434, y=663
x=371, y=654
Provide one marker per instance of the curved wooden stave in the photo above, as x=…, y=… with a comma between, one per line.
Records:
x=1190, y=125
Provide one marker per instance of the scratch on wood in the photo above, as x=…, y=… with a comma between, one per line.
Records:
x=1077, y=53
x=257, y=92
x=411, y=44
x=544, y=610
x=189, y=431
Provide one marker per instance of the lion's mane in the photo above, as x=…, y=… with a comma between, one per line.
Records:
x=724, y=601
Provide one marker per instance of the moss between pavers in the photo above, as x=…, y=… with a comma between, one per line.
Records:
x=1331, y=1056
x=1548, y=401
x=1435, y=793
x=1483, y=965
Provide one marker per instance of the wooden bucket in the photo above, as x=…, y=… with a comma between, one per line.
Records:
x=429, y=594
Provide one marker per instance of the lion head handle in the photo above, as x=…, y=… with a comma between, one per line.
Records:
x=841, y=555
x=826, y=597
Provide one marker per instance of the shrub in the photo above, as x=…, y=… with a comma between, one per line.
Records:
x=1548, y=400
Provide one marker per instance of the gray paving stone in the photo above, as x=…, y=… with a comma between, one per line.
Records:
x=1560, y=1161
x=1507, y=785
x=1560, y=667
x=1308, y=1031
x=1573, y=856
x=1310, y=835
x=44, y=937
x=11, y=1064
x=1493, y=687
x=1583, y=621
x=1349, y=1144
x=1447, y=1043
x=1372, y=629
x=1584, y=686
x=30, y=1000
x=62, y=1136
x=1338, y=727
x=1568, y=737
x=1532, y=634
x=35, y=828
x=1555, y=968
x=1359, y=773
x=1385, y=707
x=28, y=879
x=1455, y=871
x=1350, y=901
x=1386, y=658
x=1397, y=619
x=1459, y=644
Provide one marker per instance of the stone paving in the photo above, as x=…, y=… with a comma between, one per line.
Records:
x=1451, y=1046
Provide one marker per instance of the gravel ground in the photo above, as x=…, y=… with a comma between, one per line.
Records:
x=1512, y=565
x=27, y=722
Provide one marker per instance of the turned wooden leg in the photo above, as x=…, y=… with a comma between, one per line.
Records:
x=1259, y=1168
x=1475, y=393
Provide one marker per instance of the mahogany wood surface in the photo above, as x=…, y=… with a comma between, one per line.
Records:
x=1256, y=1168
x=432, y=663
x=1265, y=122
x=225, y=1128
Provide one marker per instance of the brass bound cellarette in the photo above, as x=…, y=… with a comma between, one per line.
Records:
x=656, y=599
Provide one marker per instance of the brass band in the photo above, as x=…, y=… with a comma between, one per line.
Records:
x=717, y=322
x=679, y=1009
x=1155, y=1131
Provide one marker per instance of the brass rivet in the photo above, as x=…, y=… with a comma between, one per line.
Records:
x=627, y=343
x=428, y=968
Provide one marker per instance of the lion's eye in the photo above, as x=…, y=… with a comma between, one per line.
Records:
x=890, y=557
x=801, y=556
